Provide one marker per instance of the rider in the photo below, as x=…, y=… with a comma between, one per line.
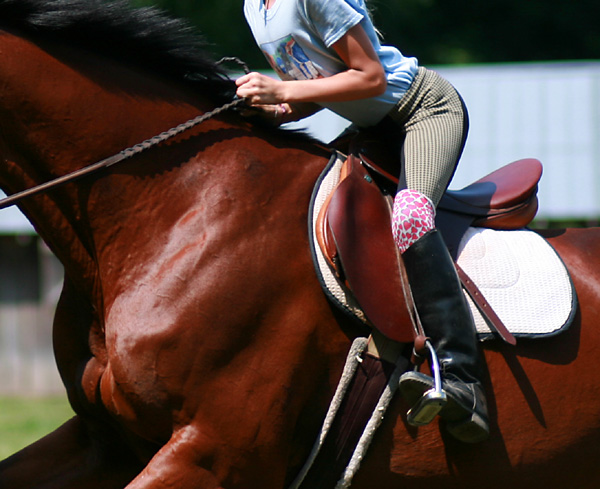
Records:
x=328, y=54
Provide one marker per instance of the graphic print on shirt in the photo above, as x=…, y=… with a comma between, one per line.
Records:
x=289, y=60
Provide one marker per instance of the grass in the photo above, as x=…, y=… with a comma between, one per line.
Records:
x=25, y=420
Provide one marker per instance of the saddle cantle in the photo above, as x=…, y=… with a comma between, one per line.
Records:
x=504, y=199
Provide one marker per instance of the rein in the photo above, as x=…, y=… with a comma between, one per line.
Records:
x=117, y=158
x=126, y=153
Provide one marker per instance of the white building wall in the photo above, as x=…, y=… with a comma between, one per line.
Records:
x=548, y=111
x=12, y=221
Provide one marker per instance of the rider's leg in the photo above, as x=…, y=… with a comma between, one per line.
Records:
x=447, y=321
x=435, y=123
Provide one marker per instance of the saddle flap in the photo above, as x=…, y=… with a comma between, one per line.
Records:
x=358, y=216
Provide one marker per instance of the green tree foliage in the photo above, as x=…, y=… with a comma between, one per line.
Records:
x=436, y=31
x=221, y=22
x=481, y=31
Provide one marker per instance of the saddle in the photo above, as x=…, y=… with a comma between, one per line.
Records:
x=353, y=232
x=358, y=264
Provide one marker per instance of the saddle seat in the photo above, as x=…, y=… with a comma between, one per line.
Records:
x=353, y=230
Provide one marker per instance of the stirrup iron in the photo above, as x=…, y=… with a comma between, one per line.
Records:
x=432, y=401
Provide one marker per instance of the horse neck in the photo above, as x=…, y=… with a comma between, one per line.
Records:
x=61, y=109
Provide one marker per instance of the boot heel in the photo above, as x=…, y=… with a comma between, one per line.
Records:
x=472, y=430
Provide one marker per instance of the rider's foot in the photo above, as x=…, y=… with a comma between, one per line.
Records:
x=465, y=412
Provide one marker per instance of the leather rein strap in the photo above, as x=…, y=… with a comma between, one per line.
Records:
x=484, y=308
x=119, y=157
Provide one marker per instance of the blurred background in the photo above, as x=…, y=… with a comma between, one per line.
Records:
x=529, y=72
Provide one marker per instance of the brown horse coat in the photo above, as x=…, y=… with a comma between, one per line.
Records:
x=192, y=335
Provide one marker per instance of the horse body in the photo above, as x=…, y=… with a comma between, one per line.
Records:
x=193, y=338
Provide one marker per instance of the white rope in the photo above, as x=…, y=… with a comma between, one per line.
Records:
x=352, y=360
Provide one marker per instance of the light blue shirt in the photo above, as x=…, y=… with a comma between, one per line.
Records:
x=297, y=37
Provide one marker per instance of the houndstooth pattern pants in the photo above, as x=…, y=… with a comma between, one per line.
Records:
x=434, y=121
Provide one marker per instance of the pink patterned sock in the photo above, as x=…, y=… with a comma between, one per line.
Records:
x=413, y=215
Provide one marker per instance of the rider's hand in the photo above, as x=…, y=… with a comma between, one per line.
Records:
x=260, y=89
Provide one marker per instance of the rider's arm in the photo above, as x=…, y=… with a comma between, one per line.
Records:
x=363, y=78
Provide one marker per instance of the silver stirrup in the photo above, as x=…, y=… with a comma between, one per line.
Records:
x=432, y=401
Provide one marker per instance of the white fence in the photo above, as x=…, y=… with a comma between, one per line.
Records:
x=27, y=365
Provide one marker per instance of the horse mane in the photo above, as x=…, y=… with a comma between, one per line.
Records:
x=144, y=37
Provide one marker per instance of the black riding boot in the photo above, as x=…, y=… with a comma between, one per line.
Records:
x=447, y=321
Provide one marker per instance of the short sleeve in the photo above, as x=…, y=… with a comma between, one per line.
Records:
x=331, y=19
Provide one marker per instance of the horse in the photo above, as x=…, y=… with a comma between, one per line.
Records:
x=195, y=343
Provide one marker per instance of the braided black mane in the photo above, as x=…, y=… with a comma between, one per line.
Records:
x=144, y=37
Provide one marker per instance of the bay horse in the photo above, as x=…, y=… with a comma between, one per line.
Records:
x=192, y=335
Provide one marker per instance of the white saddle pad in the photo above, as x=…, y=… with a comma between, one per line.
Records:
x=521, y=277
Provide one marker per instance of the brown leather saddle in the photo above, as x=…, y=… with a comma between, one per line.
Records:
x=354, y=233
